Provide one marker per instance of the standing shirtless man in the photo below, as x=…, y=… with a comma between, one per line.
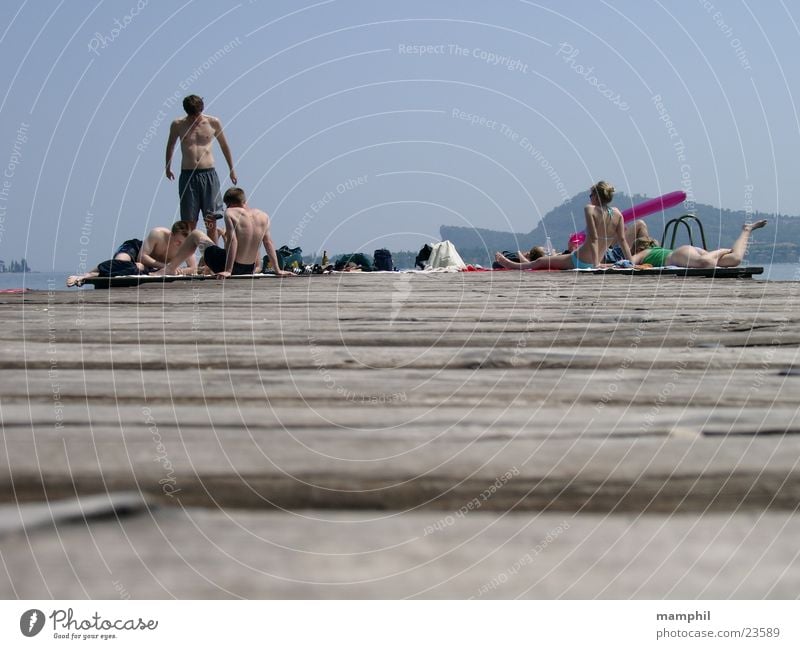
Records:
x=246, y=228
x=198, y=185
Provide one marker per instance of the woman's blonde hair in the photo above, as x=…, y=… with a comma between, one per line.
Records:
x=536, y=252
x=604, y=192
x=643, y=243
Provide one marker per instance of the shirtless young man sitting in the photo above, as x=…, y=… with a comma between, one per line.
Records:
x=246, y=228
x=198, y=185
x=157, y=250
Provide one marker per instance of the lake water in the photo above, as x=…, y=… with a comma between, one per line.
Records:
x=56, y=281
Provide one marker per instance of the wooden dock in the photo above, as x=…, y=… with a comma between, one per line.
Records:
x=397, y=435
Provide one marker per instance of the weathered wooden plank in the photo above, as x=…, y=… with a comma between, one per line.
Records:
x=198, y=554
x=561, y=371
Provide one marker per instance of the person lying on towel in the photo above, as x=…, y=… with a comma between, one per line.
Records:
x=604, y=228
x=647, y=251
x=135, y=257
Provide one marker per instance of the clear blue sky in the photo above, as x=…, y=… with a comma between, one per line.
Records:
x=315, y=95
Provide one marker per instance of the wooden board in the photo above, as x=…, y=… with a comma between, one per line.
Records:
x=407, y=395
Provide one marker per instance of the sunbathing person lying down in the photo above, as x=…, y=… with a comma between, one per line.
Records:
x=604, y=228
x=647, y=251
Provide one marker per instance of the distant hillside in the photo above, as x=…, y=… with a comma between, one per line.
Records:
x=779, y=241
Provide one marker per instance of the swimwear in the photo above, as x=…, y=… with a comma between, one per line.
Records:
x=577, y=263
x=199, y=193
x=215, y=259
x=131, y=247
x=657, y=257
x=613, y=255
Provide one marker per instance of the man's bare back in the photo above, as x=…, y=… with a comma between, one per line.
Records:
x=248, y=227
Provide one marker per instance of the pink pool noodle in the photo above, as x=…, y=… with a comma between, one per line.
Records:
x=638, y=211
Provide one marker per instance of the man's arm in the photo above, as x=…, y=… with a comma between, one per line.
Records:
x=226, y=150
x=171, y=141
x=145, y=254
x=273, y=256
x=231, y=245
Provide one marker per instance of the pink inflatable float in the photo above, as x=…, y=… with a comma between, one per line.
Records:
x=639, y=211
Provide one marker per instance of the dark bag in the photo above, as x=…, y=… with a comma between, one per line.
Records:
x=117, y=268
x=512, y=256
x=383, y=259
x=286, y=257
x=423, y=256
x=358, y=258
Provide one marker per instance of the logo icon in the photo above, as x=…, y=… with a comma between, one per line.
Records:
x=31, y=622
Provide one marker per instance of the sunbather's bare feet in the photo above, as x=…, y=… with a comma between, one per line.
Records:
x=754, y=226
x=75, y=280
x=501, y=259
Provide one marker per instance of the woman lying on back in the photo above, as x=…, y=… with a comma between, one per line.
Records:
x=647, y=251
x=604, y=228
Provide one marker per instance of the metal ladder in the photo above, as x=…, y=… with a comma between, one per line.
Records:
x=686, y=220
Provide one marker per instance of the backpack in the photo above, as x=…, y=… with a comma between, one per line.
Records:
x=512, y=256
x=383, y=259
x=358, y=258
x=423, y=256
x=286, y=257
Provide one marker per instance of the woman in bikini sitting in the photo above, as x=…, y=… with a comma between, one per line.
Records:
x=604, y=228
x=647, y=251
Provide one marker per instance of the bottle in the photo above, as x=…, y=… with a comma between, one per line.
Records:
x=325, y=260
x=548, y=247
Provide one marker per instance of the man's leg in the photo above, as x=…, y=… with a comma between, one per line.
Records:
x=208, y=193
x=636, y=230
x=190, y=205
